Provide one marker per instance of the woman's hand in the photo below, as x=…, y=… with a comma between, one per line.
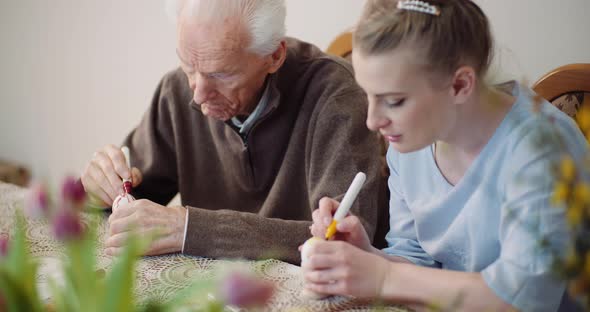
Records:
x=338, y=268
x=350, y=229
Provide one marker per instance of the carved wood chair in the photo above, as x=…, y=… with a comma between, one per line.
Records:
x=567, y=87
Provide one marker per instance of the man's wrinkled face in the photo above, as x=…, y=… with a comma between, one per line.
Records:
x=226, y=79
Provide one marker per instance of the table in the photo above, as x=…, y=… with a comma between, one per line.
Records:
x=159, y=277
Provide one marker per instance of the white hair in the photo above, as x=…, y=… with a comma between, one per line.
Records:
x=264, y=19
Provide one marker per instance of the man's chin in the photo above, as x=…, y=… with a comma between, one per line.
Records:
x=219, y=115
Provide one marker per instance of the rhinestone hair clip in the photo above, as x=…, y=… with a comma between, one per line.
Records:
x=418, y=6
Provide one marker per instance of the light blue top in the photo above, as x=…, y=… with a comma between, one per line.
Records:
x=494, y=219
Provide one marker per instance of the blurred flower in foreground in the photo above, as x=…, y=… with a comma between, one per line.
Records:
x=111, y=291
x=73, y=192
x=67, y=225
x=560, y=193
x=567, y=169
x=583, y=120
x=246, y=291
x=37, y=202
x=572, y=192
x=78, y=286
x=3, y=245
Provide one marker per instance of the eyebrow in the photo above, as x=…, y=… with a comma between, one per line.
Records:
x=224, y=71
x=381, y=95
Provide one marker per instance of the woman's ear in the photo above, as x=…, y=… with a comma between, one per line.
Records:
x=277, y=58
x=464, y=83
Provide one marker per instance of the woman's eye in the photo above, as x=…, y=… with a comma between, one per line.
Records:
x=396, y=103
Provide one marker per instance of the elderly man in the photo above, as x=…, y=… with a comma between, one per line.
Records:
x=252, y=130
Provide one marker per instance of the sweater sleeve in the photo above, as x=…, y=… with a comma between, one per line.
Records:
x=151, y=147
x=238, y=234
x=338, y=146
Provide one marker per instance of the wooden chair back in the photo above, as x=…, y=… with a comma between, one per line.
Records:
x=567, y=87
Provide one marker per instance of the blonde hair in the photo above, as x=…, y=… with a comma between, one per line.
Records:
x=459, y=35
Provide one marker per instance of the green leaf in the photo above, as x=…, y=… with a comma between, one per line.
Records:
x=120, y=280
x=57, y=296
x=19, y=267
x=18, y=250
x=80, y=268
x=196, y=296
x=15, y=294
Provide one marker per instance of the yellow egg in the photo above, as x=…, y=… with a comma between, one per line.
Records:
x=305, y=248
x=306, y=293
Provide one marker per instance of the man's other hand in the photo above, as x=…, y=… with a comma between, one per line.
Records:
x=147, y=218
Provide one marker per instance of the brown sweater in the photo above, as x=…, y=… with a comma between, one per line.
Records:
x=253, y=197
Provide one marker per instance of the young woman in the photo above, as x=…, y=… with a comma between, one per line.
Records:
x=470, y=184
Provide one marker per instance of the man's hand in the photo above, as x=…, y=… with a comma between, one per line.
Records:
x=147, y=218
x=102, y=177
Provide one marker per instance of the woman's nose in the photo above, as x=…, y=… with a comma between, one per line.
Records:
x=376, y=119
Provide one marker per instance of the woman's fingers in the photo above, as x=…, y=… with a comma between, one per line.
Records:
x=350, y=224
x=327, y=207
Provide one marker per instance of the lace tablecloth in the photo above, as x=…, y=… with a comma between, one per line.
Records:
x=160, y=277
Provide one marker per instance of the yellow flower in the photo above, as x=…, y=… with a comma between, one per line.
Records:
x=568, y=169
x=574, y=214
x=560, y=193
x=572, y=261
x=582, y=193
x=583, y=119
x=578, y=286
x=587, y=264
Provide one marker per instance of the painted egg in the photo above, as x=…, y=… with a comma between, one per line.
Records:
x=122, y=200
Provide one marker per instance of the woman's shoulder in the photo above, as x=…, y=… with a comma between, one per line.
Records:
x=534, y=122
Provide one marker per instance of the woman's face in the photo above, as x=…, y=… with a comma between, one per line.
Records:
x=406, y=104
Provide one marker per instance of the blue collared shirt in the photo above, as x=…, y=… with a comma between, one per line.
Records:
x=249, y=122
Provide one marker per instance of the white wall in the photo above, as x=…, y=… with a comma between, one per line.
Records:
x=75, y=75
x=536, y=36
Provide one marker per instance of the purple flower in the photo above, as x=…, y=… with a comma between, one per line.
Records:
x=73, y=190
x=246, y=291
x=37, y=201
x=3, y=245
x=67, y=225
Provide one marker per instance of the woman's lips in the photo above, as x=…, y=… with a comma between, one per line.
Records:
x=393, y=138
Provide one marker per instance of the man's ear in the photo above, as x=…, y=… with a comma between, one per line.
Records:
x=464, y=83
x=277, y=58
